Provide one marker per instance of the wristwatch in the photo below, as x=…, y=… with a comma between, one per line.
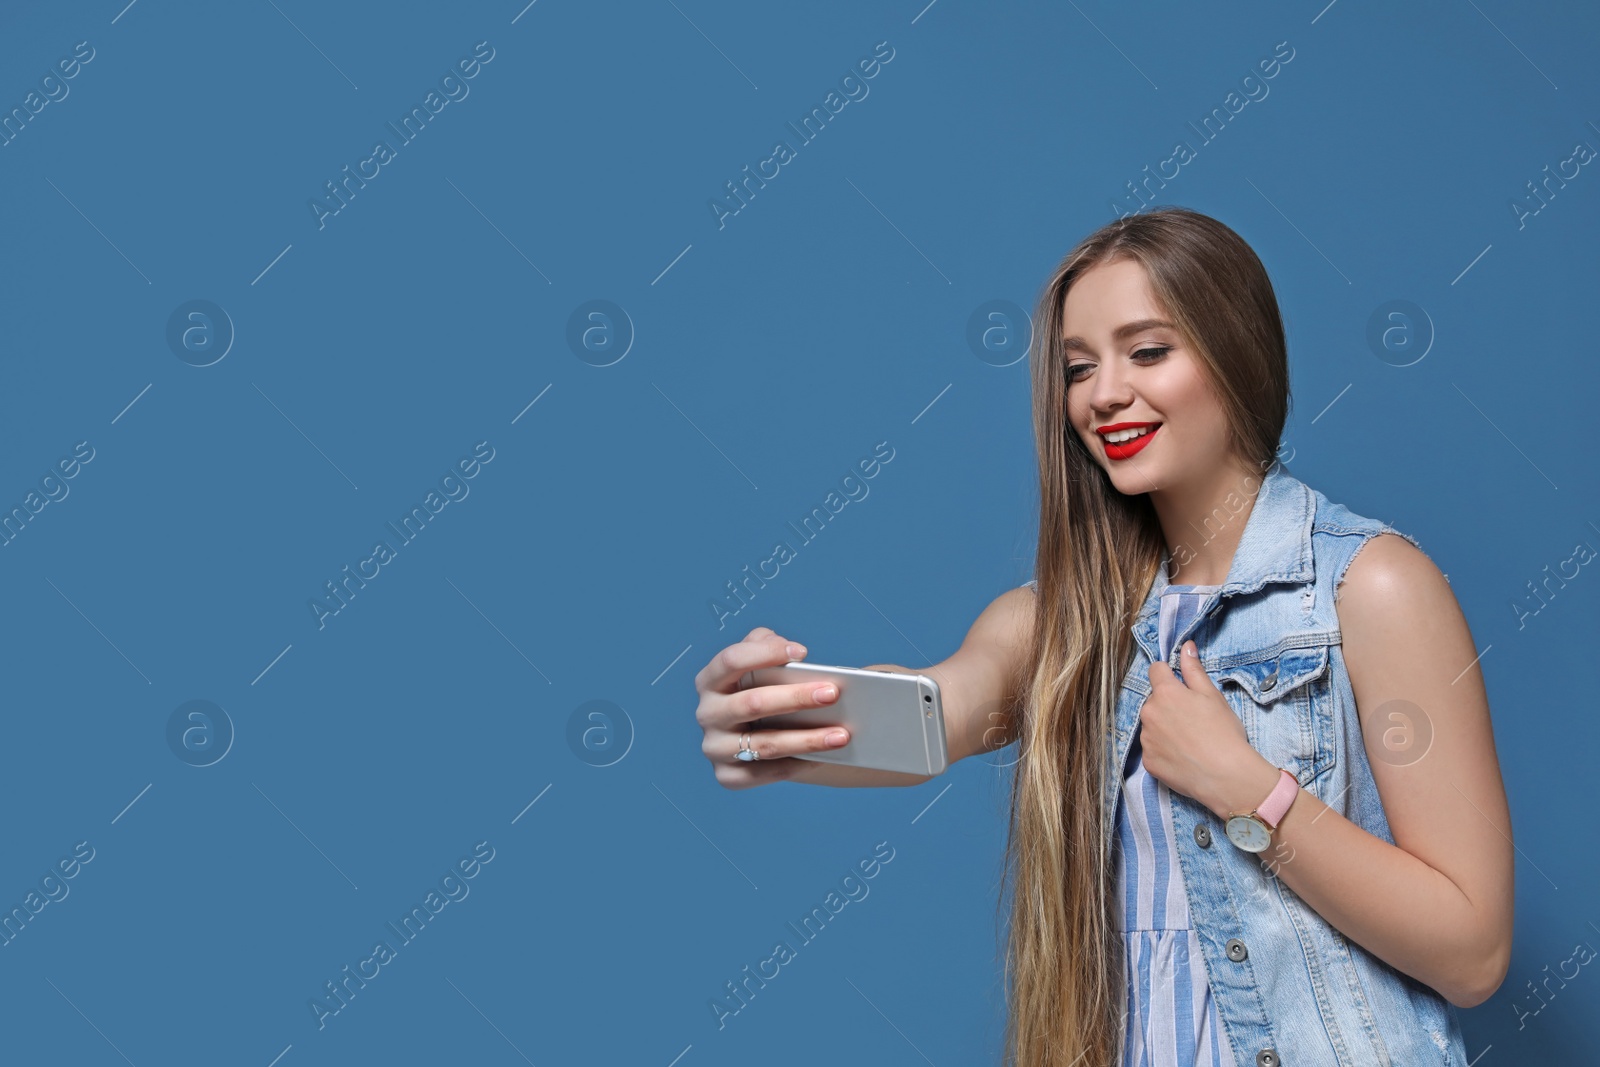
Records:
x=1253, y=831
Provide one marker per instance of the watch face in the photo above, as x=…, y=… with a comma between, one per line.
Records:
x=1249, y=833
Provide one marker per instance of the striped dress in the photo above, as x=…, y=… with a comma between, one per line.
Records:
x=1171, y=1018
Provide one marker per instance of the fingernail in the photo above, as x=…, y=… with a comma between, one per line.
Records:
x=795, y=651
x=825, y=692
x=836, y=737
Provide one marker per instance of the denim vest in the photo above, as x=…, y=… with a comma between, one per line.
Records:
x=1290, y=989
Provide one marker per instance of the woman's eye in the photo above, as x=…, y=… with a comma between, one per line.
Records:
x=1076, y=371
x=1152, y=354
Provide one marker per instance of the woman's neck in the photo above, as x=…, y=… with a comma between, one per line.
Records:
x=1203, y=524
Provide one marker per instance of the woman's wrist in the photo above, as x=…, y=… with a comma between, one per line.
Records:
x=1245, y=784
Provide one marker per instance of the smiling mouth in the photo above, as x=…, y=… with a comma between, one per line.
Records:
x=1128, y=441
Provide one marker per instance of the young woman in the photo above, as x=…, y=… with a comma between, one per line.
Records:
x=1257, y=815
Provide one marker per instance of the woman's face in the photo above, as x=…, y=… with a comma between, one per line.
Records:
x=1126, y=368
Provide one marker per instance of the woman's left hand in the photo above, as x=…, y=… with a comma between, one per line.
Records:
x=1194, y=743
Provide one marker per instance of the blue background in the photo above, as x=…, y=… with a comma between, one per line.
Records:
x=767, y=356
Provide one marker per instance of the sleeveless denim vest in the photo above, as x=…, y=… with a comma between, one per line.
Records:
x=1290, y=989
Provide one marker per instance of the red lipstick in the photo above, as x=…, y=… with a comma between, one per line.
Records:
x=1127, y=448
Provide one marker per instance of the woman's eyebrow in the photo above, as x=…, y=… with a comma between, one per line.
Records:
x=1078, y=344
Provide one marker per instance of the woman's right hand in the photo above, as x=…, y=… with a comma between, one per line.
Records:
x=726, y=711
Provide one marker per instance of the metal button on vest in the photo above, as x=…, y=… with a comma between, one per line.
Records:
x=1268, y=1057
x=1270, y=680
x=1202, y=835
x=1237, y=953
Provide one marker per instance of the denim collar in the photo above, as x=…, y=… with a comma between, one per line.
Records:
x=1275, y=546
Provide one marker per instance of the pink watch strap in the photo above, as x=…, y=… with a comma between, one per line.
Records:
x=1273, y=809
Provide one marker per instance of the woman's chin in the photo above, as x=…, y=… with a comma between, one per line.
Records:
x=1130, y=480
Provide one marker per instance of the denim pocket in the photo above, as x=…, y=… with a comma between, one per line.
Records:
x=1281, y=696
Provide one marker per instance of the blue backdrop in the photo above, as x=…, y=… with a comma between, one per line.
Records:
x=531, y=297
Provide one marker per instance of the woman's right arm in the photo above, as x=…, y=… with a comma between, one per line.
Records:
x=980, y=687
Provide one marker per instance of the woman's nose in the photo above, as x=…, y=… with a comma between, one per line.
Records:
x=1109, y=388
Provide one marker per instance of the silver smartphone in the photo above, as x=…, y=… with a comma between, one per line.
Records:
x=896, y=721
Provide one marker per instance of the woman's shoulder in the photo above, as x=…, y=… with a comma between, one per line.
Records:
x=1387, y=566
x=1340, y=535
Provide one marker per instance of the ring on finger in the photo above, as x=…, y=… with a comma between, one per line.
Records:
x=747, y=753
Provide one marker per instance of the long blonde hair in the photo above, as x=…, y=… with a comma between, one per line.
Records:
x=1098, y=554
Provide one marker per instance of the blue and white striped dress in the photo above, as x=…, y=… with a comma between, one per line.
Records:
x=1171, y=1018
